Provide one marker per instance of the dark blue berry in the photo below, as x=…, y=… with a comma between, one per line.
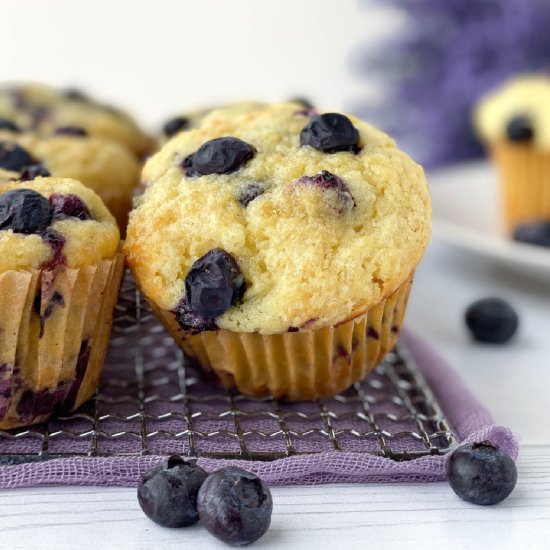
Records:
x=24, y=211
x=214, y=283
x=56, y=241
x=218, y=156
x=168, y=492
x=14, y=157
x=235, y=506
x=520, y=128
x=175, y=125
x=537, y=233
x=74, y=94
x=481, y=473
x=304, y=102
x=191, y=321
x=34, y=171
x=327, y=180
x=69, y=206
x=330, y=133
x=6, y=124
x=492, y=320
x=249, y=193
x=75, y=131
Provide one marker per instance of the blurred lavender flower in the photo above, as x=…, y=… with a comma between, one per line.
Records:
x=448, y=54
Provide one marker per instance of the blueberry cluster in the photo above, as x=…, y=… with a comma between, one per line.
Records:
x=234, y=505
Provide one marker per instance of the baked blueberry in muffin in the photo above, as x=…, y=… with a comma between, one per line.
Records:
x=281, y=238
x=60, y=269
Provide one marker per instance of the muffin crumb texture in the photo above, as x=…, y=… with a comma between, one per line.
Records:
x=323, y=216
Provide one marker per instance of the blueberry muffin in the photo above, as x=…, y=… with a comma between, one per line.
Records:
x=514, y=122
x=103, y=165
x=44, y=109
x=278, y=247
x=195, y=119
x=60, y=270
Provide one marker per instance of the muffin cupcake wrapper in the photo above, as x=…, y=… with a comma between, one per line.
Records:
x=297, y=365
x=54, y=330
x=525, y=176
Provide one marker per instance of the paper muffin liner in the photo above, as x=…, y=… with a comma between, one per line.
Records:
x=525, y=178
x=54, y=331
x=301, y=365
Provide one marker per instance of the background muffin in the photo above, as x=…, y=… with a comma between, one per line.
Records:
x=514, y=122
x=273, y=255
x=44, y=109
x=103, y=165
x=60, y=271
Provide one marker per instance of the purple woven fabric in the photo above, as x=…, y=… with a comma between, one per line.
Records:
x=470, y=419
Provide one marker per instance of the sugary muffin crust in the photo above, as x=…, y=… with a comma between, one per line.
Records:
x=323, y=217
x=517, y=111
x=72, y=226
x=98, y=163
x=43, y=109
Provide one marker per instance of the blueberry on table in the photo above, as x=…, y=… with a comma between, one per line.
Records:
x=6, y=124
x=214, y=283
x=34, y=171
x=520, y=129
x=219, y=156
x=14, y=157
x=492, y=320
x=69, y=206
x=168, y=492
x=536, y=233
x=235, y=506
x=175, y=125
x=481, y=473
x=330, y=133
x=24, y=211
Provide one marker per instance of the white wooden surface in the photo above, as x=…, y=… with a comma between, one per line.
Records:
x=514, y=381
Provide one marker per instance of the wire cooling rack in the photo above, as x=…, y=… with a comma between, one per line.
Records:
x=152, y=401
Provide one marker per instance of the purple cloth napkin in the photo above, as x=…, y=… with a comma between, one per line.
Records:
x=470, y=419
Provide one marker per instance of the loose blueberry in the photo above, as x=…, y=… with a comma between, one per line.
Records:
x=492, y=320
x=14, y=157
x=520, y=128
x=537, y=233
x=481, y=473
x=219, y=156
x=75, y=131
x=249, y=193
x=24, y=211
x=69, y=206
x=6, y=124
x=34, y=171
x=235, y=506
x=214, y=283
x=327, y=180
x=168, y=492
x=331, y=133
x=175, y=125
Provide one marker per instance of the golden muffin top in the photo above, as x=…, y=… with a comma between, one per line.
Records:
x=518, y=111
x=301, y=220
x=43, y=109
x=48, y=222
x=98, y=163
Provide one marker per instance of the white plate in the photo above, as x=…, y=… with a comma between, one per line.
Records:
x=466, y=213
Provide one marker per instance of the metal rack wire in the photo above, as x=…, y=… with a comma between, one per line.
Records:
x=153, y=401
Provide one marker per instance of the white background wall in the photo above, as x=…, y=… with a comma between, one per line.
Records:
x=160, y=56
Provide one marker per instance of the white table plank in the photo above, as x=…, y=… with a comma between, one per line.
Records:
x=320, y=517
